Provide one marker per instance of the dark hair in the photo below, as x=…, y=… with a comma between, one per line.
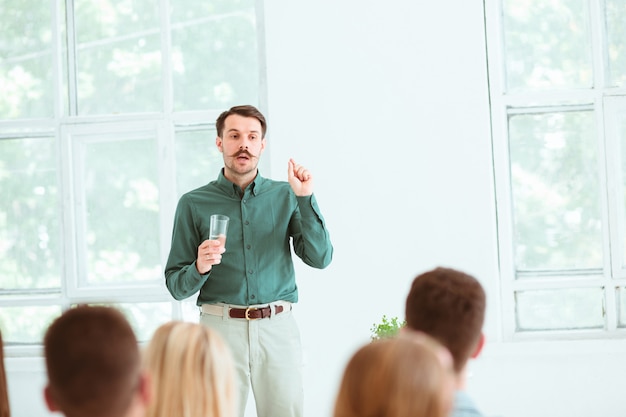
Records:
x=450, y=306
x=245, y=111
x=93, y=362
x=5, y=410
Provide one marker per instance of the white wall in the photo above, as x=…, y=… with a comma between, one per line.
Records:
x=387, y=104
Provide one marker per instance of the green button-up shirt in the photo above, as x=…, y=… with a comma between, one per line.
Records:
x=257, y=267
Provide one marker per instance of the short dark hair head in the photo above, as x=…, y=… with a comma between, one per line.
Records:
x=93, y=362
x=449, y=305
x=245, y=111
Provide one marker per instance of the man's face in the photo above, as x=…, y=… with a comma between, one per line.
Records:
x=241, y=144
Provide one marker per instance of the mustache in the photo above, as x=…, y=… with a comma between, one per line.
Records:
x=242, y=152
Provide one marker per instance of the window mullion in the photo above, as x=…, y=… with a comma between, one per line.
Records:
x=70, y=233
x=167, y=185
x=612, y=107
x=599, y=43
x=610, y=238
x=166, y=60
x=260, y=27
x=72, y=83
x=506, y=237
x=57, y=66
x=610, y=306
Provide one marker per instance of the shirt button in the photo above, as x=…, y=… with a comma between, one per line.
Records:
x=244, y=201
x=250, y=271
x=252, y=297
x=247, y=223
x=248, y=246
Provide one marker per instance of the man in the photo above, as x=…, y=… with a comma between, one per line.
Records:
x=449, y=305
x=247, y=286
x=93, y=365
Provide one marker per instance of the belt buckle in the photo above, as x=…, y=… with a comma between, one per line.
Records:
x=248, y=313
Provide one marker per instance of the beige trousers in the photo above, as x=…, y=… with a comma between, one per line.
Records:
x=268, y=358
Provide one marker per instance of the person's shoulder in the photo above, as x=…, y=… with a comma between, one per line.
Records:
x=196, y=194
x=464, y=406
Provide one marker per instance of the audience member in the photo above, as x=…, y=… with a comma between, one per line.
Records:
x=449, y=305
x=94, y=365
x=406, y=376
x=191, y=372
x=5, y=410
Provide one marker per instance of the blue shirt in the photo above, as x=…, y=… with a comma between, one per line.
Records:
x=266, y=220
x=464, y=406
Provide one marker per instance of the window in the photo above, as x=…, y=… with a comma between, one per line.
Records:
x=106, y=119
x=557, y=72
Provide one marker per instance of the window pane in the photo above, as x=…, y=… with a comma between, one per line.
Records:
x=222, y=69
x=26, y=62
x=28, y=324
x=190, y=310
x=145, y=317
x=547, y=44
x=122, y=211
x=616, y=31
x=566, y=309
x=118, y=56
x=198, y=160
x=556, y=191
x=30, y=251
x=621, y=132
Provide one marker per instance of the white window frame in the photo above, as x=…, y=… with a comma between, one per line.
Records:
x=606, y=104
x=68, y=131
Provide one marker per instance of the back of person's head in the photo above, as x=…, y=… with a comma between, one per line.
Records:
x=5, y=410
x=191, y=371
x=450, y=306
x=93, y=363
x=407, y=376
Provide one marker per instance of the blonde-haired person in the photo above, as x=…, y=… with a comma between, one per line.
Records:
x=191, y=371
x=407, y=376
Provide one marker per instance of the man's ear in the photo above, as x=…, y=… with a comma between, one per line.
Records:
x=145, y=388
x=479, y=346
x=50, y=403
x=218, y=143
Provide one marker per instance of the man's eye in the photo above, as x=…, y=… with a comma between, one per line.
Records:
x=253, y=137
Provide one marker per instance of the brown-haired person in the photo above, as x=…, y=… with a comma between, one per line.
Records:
x=5, y=410
x=407, y=376
x=191, y=372
x=449, y=305
x=94, y=365
x=247, y=286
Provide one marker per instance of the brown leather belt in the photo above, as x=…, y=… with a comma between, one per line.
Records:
x=248, y=313
x=253, y=313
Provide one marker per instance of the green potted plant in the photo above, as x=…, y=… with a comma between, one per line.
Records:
x=388, y=327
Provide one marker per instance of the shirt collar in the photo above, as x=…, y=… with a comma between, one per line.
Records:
x=234, y=190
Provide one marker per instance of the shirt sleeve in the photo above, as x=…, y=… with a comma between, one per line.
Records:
x=311, y=240
x=181, y=275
